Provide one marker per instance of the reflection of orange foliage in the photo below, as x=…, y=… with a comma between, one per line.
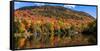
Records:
x=22, y=42
x=56, y=41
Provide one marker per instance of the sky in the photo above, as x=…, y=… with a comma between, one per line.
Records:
x=88, y=9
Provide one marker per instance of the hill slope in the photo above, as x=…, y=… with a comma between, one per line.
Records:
x=54, y=11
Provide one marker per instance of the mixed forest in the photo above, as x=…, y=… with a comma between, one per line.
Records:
x=52, y=26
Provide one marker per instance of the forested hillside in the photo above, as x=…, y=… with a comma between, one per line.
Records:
x=52, y=26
